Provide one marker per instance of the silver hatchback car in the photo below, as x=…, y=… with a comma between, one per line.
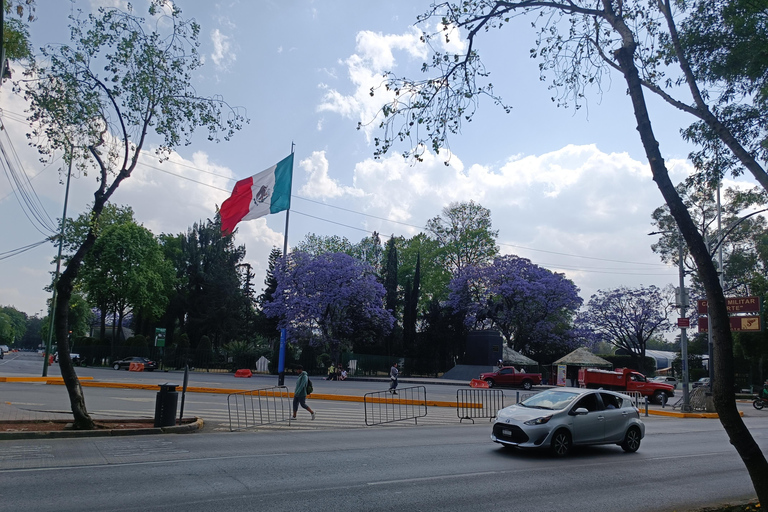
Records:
x=560, y=418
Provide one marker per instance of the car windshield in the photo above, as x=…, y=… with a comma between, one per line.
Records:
x=550, y=399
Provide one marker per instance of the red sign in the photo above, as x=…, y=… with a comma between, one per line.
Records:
x=684, y=322
x=738, y=324
x=735, y=305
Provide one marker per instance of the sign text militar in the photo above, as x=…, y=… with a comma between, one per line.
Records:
x=735, y=305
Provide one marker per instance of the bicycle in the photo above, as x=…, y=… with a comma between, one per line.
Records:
x=759, y=403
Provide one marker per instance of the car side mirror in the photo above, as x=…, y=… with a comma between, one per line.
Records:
x=580, y=411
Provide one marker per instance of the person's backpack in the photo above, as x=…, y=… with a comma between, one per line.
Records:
x=310, y=389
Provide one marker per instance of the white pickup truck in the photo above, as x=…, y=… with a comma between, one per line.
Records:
x=75, y=358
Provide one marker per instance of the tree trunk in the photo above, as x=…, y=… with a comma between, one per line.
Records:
x=724, y=397
x=64, y=287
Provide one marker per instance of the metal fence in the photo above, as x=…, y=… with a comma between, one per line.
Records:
x=478, y=403
x=384, y=407
x=249, y=409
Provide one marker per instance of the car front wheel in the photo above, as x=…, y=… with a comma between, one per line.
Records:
x=116, y=366
x=561, y=443
x=490, y=383
x=631, y=440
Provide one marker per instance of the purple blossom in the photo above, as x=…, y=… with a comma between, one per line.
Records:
x=329, y=299
x=627, y=317
x=530, y=305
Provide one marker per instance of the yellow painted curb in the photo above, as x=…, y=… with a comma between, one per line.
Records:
x=673, y=414
x=228, y=391
x=38, y=379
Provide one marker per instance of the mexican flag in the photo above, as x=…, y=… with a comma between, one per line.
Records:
x=257, y=196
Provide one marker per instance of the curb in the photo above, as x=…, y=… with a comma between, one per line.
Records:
x=192, y=426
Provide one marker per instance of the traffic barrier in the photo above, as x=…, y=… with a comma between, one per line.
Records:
x=478, y=403
x=478, y=383
x=386, y=407
x=136, y=367
x=243, y=373
x=249, y=409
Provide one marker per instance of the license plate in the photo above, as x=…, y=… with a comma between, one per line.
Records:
x=506, y=432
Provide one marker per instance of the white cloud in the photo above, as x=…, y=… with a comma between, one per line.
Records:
x=319, y=183
x=223, y=55
x=576, y=201
x=374, y=56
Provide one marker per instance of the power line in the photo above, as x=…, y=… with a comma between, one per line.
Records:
x=421, y=228
x=22, y=187
x=628, y=272
x=20, y=250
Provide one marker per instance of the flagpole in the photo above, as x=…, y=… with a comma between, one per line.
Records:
x=283, y=335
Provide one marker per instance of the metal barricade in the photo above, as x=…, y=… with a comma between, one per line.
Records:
x=384, y=407
x=249, y=409
x=636, y=396
x=478, y=403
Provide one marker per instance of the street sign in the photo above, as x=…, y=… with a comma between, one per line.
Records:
x=159, y=337
x=684, y=322
x=738, y=324
x=735, y=305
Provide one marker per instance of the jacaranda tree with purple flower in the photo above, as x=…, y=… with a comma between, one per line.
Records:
x=531, y=306
x=329, y=300
x=627, y=318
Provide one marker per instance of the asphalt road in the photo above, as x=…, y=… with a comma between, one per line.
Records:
x=448, y=468
x=337, y=463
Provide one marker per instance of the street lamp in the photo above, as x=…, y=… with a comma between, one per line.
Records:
x=682, y=304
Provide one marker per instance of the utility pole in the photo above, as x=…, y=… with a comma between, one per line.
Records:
x=682, y=303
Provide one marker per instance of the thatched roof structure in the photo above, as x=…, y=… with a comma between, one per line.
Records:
x=583, y=357
x=514, y=357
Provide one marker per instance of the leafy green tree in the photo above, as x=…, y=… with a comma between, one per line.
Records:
x=726, y=43
x=739, y=240
x=578, y=43
x=126, y=271
x=464, y=235
x=370, y=251
x=32, y=338
x=99, y=99
x=13, y=325
x=316, y=245
x=425, y=253
x=15, y=41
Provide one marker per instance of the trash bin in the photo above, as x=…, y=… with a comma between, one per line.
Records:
x=165, y=405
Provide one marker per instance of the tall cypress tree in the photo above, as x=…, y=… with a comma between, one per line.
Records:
x=410, y=309
x=390, y=277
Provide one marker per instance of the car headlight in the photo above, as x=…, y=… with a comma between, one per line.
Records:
x=539, y=421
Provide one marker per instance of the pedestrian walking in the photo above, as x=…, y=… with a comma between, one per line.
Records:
x=393, y=379
x=300, y=393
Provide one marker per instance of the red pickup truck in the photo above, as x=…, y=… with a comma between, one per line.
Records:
x=624, y=379
x=509, y=376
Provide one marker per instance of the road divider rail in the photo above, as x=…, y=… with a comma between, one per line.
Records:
x=386, y=407
x=259, y=407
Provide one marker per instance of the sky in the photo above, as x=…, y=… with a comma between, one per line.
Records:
x=569, y=189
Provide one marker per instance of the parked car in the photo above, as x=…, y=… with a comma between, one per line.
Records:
x=558, y=419
x=75, y=358
x=702, y=382
x=126, y=363
x=666, y=379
